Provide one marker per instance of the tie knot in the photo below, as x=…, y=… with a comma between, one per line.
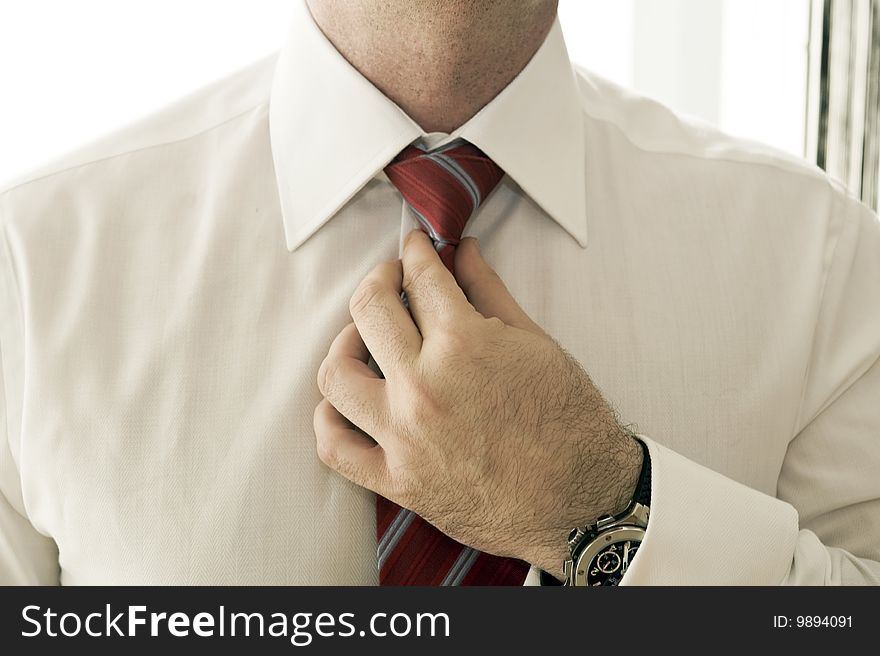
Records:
x=444, y=186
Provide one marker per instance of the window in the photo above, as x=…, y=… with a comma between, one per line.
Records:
x=738, y=64
x=800, y=75
x=844, y=118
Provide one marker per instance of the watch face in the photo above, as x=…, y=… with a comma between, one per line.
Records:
x=609, y=565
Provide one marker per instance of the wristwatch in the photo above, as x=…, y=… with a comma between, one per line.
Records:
x=602, y=552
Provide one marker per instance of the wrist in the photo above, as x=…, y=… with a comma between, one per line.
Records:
x=627, y=465
x=623, y=465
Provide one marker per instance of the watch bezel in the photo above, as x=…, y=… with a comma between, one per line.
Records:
x=600, y=543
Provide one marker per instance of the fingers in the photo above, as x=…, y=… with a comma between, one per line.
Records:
x=349, y=384
x=348, y=344
x=485, y=289
x=435, y=299
x=383, y=322
x=347, y=451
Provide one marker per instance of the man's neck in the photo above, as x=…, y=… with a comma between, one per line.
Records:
x=438, y=60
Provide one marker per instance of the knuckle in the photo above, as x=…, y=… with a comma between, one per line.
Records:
x=327, y=453
x=327, y=374
x=416, y=274
x=494, y=325
x=366, y=295
x=323, y=444
x=424, y=406
x=453, y=341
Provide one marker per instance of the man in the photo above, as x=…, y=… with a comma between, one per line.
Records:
x=172, y=293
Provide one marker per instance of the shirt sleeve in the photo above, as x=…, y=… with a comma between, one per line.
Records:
x=27, y=557
x=822, y=527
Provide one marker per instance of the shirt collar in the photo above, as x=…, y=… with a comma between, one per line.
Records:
x=332, y=131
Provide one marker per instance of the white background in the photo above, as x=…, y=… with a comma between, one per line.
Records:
x=71, y=70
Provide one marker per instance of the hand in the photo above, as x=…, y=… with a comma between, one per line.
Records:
x=483, y=424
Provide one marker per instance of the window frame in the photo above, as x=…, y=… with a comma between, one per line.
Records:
x=843, y=121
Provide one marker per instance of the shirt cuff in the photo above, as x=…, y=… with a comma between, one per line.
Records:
x=707, y=529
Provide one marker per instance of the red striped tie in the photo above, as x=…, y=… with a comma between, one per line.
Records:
x=443, y=187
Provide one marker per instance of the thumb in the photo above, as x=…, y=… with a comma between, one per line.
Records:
x=485, y=290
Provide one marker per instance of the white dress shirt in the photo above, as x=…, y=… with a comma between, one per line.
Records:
x=168, y=293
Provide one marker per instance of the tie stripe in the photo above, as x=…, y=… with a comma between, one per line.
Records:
x=462, y=566
x=443, y=187
x=452, y=167
x=392, y=535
